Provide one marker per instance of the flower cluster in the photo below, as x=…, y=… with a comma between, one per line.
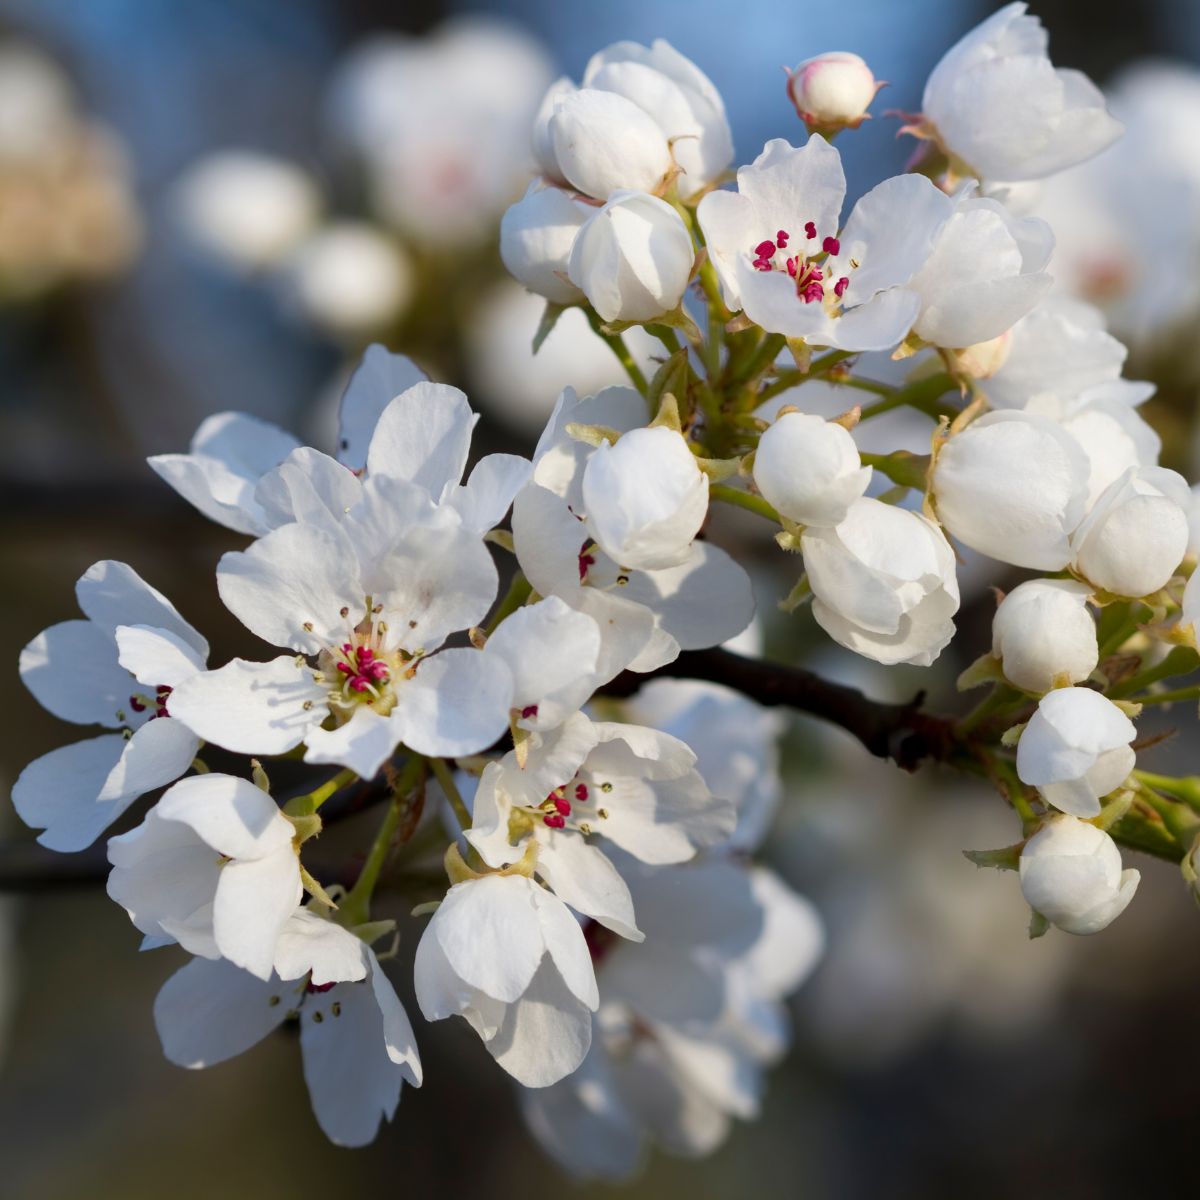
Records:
x=603, y=926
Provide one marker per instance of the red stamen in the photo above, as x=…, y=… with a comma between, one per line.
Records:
x=791, y=267
x=810, y=230
x=319, y=987
x=782, y=238
x=554, y=821
x=831, y=245
x=563, y=806
x=530, y=710
x=136, y=704
x=581, y=792
x=764, y=249
x=839, y=288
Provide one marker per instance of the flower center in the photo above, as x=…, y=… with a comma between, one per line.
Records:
x=810, y=268
x=580, y=801
x=359, y=670
x=140, y=702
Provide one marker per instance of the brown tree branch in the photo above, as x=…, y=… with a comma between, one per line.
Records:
x=901, y=732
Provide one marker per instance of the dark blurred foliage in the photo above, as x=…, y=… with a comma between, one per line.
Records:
x=1095, y=1099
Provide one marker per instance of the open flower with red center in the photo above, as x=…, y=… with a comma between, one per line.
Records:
x=365, y=604
x=591, y=781
x=780, y=257
x=116, y=669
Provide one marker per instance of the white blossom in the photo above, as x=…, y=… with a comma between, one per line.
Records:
x=984, y=273
x=1076, y=749
x=350, y=280
x=117, y=669
x=213, y=867
x=645, y=616
x=1071, y=874
x=246, y=209
x=536, y=236
x=645, y=498
x=809, y=470
x=1043, y=634
x=506, y=955
x=1136, y=534
x=776, y=247
x=832, y=91
x=632, y=258
x=1012, y=485
x=997, y=103
x=587, y=785
x=355, y=1038
x=883, y=583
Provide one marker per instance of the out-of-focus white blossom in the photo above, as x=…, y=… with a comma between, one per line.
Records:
x=997, y=103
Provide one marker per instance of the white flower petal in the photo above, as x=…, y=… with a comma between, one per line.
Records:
x=364, y=743
x=159, y=752
x=155, y=657
x=112, y=593
x=582, y=876
x=72, y=670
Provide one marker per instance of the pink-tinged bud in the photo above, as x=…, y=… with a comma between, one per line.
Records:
x=832, y=91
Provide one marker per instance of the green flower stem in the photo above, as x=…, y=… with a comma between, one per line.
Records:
x=617, y=345
x=746, y=500
x=1179, y=694
x=924, y=395
x=908, y=470
x=445, y=778
x=999, y=698
x=1186, y=788
x=767, y=351
x=355, y=908
x=666, y=335
x=1180, y=661
x=306, y=805
x=518, y=592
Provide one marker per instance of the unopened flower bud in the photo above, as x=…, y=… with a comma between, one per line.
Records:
x=832, y=91
x=604, y=142
x=1136, y=534
x=1075, y=749
x=1071, y=874
x=646, y=498
x=1012, y=486
x=633, y=258
x=536, y=235
x=1042, y=633
x=809, y=470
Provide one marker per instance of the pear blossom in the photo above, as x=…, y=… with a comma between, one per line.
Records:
x=1136, y=534
x=1076, y=749
x=506, y=955
x=355, y=1038
x=439, y=124
x=688, y=1021
x=349, y=280
x=641, y=114
x=883, y=583
x=645, y=616
x=984, y=273
x=832, y=91
x=1071, y=874
x=1043, y=634
x=393, y=425
x=809, y=470
x=520, y=386
x=247, y=210
x=1012, y=485
x=779, y=255
x=212, y=866
x=997, y=104
x=117, y=668
x=646, y=498
x=632, y=258
x=551, y=652
x=372, y=599
x=736, y=743
x=586, y=784
x=1114, y=436
x=681, y=99
x=1055, y=354
x=536, y=236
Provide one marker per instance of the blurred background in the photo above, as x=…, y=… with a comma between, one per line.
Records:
x=212, y=206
